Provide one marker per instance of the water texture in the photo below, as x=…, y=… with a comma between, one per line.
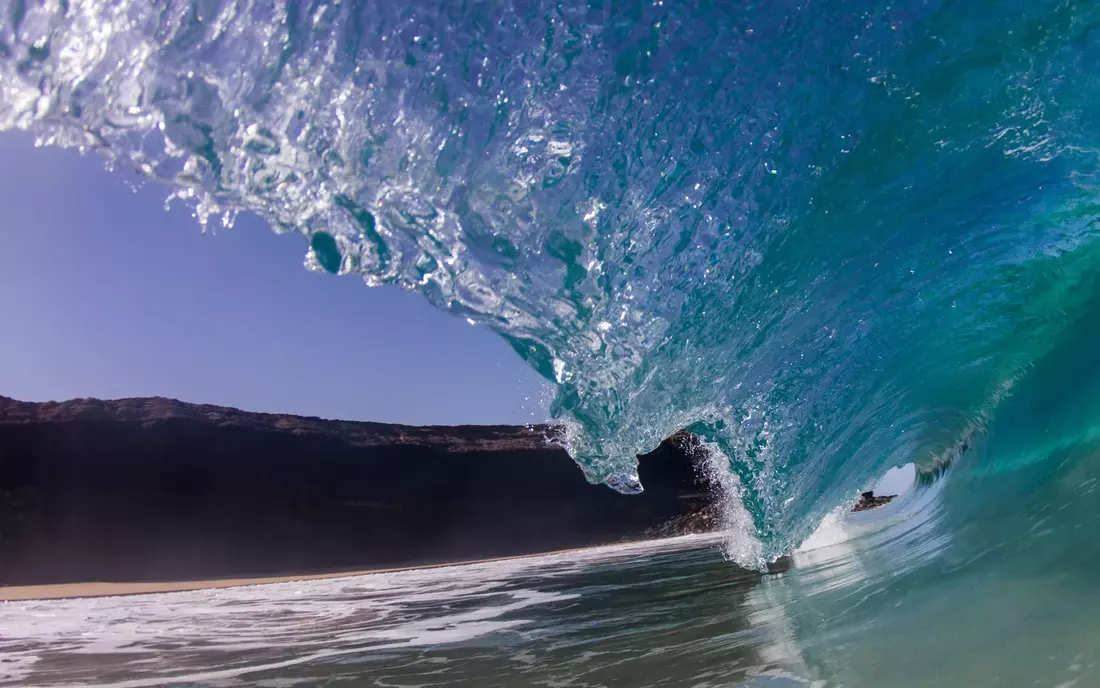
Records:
x=938, y=588
x=829, y=237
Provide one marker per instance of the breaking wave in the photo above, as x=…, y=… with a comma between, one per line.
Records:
x=826, y=236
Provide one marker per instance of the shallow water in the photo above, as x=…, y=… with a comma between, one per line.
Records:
x=921, y=592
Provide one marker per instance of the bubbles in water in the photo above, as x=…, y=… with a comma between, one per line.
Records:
x=813, y=237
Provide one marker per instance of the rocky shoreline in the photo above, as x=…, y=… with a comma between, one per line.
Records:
x=154, y=489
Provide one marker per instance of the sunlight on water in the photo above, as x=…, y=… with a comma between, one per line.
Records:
x=828, y=238
x=820, y=236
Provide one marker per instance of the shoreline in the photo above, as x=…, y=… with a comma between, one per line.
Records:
x=62, y=591
x=94, y=493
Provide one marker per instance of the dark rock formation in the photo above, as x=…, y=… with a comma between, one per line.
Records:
x=868, y=500
x=157, y=489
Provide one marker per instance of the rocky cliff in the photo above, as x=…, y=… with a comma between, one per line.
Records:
x=157, y=489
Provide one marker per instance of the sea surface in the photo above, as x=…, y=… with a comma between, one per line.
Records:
x=916, y=593
x=828, y=237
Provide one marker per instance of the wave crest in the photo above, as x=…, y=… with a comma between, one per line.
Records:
x=817, y=235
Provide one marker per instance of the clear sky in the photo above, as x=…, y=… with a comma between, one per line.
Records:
x=896, y=480
x=103, y=293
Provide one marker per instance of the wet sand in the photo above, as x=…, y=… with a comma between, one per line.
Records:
x=104, y=589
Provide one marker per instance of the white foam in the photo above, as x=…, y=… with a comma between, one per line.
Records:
x=832, y=531
x=281, y=625
x=740, y=542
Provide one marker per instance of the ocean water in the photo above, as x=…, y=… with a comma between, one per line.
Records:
x=828, y=237
x=916, y=593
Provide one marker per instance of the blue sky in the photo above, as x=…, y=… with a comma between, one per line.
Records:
x=103, y=293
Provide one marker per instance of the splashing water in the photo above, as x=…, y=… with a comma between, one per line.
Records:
x=824, y=236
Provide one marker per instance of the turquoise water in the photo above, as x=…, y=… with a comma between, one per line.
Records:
x=828, y=237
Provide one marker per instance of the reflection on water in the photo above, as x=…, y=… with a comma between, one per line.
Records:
x=929, y=590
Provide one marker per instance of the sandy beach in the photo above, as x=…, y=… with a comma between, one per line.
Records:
x=104, y=589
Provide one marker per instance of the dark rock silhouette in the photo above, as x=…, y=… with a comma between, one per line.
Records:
x=868, y=500
x=157, y=489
